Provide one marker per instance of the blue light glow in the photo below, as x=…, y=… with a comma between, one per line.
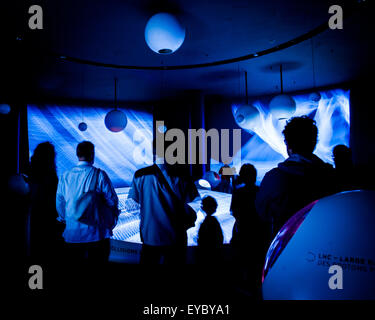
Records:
x=164, y=33
x=119, y=154
x=266, y=148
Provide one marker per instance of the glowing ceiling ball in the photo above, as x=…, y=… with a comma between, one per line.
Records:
x=115, y=121
x=4, y=108
x=82, y=126
x=164, y=34
x=18, y=185
x=282, y=106
x=315, y=96
x=335, y=230
x=247, y=117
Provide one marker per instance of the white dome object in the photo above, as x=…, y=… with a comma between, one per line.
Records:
x=247, y=117
x=115, y=120
x=282, y=106
x=164, y=34
x=334, y=231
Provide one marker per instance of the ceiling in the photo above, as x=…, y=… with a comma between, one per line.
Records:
x=112, y=31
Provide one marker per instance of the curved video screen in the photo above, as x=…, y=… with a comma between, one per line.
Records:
x=264, y=145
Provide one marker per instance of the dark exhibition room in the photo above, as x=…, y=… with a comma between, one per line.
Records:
x=188, y=158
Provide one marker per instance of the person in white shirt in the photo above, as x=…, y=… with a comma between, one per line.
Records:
x=163, y=194
x=84, y=241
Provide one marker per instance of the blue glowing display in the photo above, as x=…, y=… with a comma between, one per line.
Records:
x=266, y=147
x=120, y=154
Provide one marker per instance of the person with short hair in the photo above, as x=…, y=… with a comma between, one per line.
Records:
x=84, y=242
x=163, y=190
x=210, y=234
x=299, y=180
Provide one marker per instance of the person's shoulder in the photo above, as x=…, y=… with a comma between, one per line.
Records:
x=275, y=172
x=150, y=170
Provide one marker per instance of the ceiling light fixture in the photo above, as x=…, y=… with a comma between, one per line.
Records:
x=164, y=34
x=115, y=120
x=283, y=105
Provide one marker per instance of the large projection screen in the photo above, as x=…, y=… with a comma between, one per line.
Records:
x=120, y=154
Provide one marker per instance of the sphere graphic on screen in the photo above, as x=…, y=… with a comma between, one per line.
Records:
x=164, y=34
x=326, y=251
x=82, y=126
x=282, y=106
x=115, y=121
x=247, y=117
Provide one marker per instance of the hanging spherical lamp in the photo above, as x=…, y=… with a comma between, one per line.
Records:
x=164, y=34
x=4, y=108
x=315, y=96
x=247, y=117
x=282, y=106
x=115, y=120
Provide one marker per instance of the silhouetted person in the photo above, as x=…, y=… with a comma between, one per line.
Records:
x=249, y=238
x=84, y=243
x=44, y=230
x=210, y=234
x=299, y=180
x=344, y=167
x=163, y=191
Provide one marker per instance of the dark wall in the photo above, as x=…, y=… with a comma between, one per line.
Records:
x=362, y=129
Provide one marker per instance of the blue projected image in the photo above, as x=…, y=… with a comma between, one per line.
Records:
x=266, y=147
x=120, y=154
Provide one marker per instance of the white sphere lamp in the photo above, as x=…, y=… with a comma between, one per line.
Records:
x=164, y=34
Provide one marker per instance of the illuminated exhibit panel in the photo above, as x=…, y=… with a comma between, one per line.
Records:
x=325, y=251
x=266, y=148
x=120, y=154
x=127, y=228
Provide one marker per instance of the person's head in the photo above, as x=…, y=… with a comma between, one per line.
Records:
x=248, y=174
x=86, y=151
x=301, y=135
x=342, y=156
x=209, y=205
x=43, y=158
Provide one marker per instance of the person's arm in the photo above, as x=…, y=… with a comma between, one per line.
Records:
x=60, y=201
x=109, y=192
x=134, y=192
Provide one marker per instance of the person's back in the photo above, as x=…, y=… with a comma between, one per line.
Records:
x=344, y=168
x=72, y=185
x=248, y=230
x=163, y=211
x=299, y=180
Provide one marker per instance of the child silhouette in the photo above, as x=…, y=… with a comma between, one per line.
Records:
x=210, y=234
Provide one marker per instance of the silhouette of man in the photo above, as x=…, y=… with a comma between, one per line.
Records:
x=299, y=180
x=163, y=193
x=249, y=238
x=84, y=242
